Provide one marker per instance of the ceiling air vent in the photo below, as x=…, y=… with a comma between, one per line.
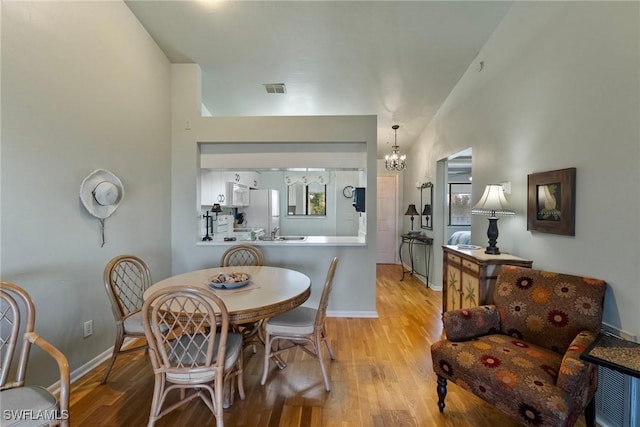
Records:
x=275, y=88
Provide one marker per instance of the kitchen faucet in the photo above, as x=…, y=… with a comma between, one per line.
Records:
x=274, y=231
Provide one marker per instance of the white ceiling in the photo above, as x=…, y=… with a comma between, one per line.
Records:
x=396, y=59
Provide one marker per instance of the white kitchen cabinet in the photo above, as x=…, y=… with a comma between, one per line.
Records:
x=252, y=179
x=212, y=187
x=248, y=178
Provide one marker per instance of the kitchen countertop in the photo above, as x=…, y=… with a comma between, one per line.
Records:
x=309, y=241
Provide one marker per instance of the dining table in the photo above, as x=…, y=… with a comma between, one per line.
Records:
x=269, y=290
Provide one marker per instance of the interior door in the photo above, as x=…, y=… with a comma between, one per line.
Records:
x=387, y=223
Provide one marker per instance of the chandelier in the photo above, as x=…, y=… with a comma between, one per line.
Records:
x=395, y=161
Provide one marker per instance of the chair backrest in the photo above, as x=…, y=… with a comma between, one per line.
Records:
x=126, y=277
x=16, y=310
x=326, y=291
x=239, y=255
x=197, y=318
x=546, y=308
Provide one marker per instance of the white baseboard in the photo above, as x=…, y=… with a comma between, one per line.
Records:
x=361, y=314
x=422, y=279
x=83, y=370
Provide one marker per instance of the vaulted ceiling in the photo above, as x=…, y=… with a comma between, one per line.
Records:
x=395, y=59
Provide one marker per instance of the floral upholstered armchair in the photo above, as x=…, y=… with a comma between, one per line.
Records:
x=522, y=353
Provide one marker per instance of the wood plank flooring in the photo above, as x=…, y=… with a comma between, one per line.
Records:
x=381, y=377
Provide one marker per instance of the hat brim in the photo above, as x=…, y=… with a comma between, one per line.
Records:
x=88, y=199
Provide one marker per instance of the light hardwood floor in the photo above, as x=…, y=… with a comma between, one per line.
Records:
x=382, y=376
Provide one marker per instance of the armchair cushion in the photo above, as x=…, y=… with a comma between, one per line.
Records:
x=546, y=308
x=467, y=323
x=517, y=377
x=33, y=401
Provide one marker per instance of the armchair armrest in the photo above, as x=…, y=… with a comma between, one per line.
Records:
x=63, y=367
x=467, y=323
x=575, y=373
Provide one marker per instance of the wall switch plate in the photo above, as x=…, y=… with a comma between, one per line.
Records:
x=88, y=328
x=506, y=187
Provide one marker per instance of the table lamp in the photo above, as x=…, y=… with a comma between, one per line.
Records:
x=427, y=212
x=411, y=210
x=492, y=203
x=216, y=208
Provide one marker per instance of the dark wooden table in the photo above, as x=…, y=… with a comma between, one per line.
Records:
x=614, y=353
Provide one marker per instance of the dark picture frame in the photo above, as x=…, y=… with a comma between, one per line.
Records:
x=551, y=203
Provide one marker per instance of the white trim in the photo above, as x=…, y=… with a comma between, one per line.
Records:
x=361, y=314
x=420, y=278
x=83, y=370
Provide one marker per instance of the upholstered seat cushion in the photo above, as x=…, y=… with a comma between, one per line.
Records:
x=190, y=352
x=133, y=324
x=507, y=370
x=39, y=405
x=298, y=321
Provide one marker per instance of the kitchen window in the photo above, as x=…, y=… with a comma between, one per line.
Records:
x=307, y=199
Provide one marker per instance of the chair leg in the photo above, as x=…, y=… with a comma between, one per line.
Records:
x=218, y=390
x=156, y=401
x=240, y=375
x=590, y=413
x=442, y=392
x=326, y=342
x=116, y=349
x=267, y=356
x=318, y=349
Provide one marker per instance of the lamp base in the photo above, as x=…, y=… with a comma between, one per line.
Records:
x=492, y=234
x=492, y=250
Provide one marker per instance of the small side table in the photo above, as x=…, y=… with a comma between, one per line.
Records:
x=614, y=353
x=416, y=239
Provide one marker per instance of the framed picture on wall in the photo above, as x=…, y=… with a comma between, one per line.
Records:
x=551, y=201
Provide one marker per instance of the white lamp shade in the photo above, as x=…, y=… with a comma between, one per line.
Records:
x=492, y=202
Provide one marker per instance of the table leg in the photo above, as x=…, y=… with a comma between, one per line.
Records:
x=401, y=263
x=427, y=261
x=413, y=269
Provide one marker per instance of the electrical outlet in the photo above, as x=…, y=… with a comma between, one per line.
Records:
x=88, y=328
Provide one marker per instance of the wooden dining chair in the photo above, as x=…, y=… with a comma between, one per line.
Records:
x=198, y=354
x=242, y=254
x=245, y=255
x=21, y=402
x=126, y=277
x=302, y=327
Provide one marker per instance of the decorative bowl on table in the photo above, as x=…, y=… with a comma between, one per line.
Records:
x=230, y=280
x=415, y=233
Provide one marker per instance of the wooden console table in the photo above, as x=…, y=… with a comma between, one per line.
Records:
x=416, y=239
x=469, y=275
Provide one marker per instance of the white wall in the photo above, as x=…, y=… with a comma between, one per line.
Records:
x=83, y=87
x=354, y=288
x=559, y=88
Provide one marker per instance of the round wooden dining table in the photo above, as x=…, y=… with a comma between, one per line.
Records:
x=270, y=291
